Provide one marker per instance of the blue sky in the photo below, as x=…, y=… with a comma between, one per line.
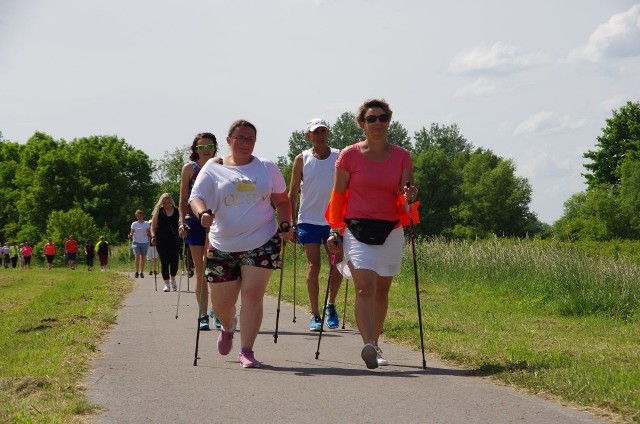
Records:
x=532, y=80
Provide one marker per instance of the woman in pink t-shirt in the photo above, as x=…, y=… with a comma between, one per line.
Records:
x=370, y=175
x=27, y=251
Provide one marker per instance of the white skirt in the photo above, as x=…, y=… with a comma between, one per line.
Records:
x=384, y=259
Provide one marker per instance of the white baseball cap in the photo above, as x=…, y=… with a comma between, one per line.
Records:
x=316, y=123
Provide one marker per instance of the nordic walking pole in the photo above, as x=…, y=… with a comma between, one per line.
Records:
x=275, y=334
x=155, y=264
x=295, y=242
x=344, y=311
x=155, y=268
x=324, y=305
x=202, y=284
x=415, y=272
x=179, y=290
x=129, y=255
x=188, y=263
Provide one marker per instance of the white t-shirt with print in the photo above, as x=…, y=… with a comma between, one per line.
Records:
x=141, y=229
x=240, y=198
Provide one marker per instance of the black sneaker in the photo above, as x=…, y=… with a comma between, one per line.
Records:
x=137, y=273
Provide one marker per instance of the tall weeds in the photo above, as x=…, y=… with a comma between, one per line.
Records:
x=561, y=279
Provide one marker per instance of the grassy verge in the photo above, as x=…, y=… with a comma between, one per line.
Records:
x=550, y=319
x=51, y=324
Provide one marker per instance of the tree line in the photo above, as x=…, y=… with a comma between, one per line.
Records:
x=91, y=186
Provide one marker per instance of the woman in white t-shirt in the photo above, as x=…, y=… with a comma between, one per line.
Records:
x=235, y=201
x=140, y=237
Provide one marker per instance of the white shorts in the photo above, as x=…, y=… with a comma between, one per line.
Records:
x=152, y=252
x=384, y=260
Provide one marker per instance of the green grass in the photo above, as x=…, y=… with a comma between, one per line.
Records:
x=51, y=323
x=551, y=319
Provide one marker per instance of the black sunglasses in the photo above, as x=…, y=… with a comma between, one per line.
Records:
x=373, y=118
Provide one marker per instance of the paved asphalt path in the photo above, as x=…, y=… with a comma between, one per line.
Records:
x=145, y=374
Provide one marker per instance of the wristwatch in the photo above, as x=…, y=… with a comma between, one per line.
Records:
x=208, y=211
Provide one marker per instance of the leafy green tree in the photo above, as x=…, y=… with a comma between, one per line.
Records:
x=445, y=137
x=592, y=215
x=399, y=136
x=167, y=171
x=74, y=221
x=438, y=177
x=620, y=137
x=297, y=144
x=9, y=189
x=345, y=131
x=101, y=175
x=495, y=201
x=630, y=195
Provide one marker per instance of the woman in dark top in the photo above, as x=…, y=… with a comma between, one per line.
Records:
x=164, y=235
x=90, y=251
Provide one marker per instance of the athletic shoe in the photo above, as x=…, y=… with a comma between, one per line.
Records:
x=316, y=323
x=216, y=321
x=137, y=274
x=369, y=355
x=247, y=359
x=167, y=287
x=225, y=339
x=150, y=272
x=381, y=361
x=142, y=275
x=204, y=323
x=189, y=274
x=174, y=286
x=332, y=318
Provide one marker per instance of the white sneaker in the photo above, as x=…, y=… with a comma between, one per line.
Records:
x=173, y=286
x=369, y=355
x=381, y=361
x=167, y=287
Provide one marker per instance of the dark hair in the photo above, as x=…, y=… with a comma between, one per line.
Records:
x=194, y=146
x=370, y=103
x=241, y=123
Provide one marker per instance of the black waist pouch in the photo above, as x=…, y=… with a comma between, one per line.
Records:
x=370, y=231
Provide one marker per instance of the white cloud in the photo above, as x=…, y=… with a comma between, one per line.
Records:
x=618, y=37
x=500, y=58
x=546, y=123
x=480, y=87
x=613, y=103
x=542, y=161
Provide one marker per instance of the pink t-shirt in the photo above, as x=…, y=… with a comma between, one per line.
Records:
x=373, y=186
x=26, y=251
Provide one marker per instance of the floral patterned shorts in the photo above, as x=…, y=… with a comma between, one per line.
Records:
x=225, y=266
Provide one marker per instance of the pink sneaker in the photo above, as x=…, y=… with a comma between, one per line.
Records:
x=247, y=359
x=225, y=339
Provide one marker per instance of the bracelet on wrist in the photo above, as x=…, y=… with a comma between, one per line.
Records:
x=336, y=235
x=284, y=226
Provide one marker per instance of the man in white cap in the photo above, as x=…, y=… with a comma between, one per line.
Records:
x=312, y=176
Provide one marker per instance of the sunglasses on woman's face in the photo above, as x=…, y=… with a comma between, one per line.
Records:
x=373, y=118
x=205, y=147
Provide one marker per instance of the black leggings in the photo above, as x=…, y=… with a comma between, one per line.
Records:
x=168, y=253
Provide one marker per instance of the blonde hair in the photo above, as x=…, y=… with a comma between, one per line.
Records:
x=158, y=205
